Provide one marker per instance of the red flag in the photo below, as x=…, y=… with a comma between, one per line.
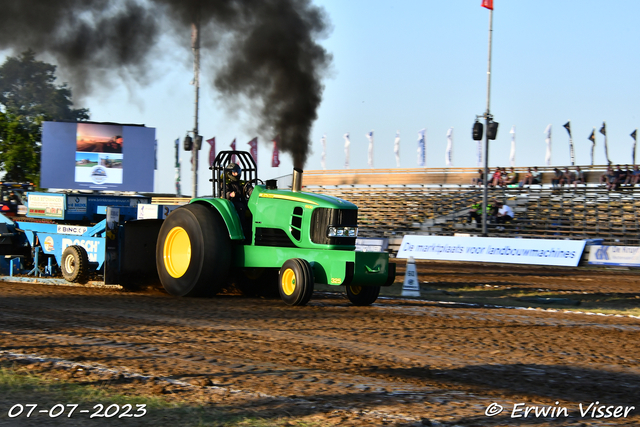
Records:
x=254, y=149
x=233, y=147
x=212, y=150
x=275, y=156
x=488, y=4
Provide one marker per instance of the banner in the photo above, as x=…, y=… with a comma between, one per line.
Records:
x=603, y=130
x=488, y=4
x=422, y=150
x=233, y=147
x=479, y=153
x=253, y=149
x=178, y=167
x=567, y=126
x=592, y=138
x=628, y=256
x=323, y=160
x=212, y=150
x=448, y=156
x=396, y=148
x=370, y=154
x=547, y=157
x=275, y=155
x=512, y=155
x=493, y=249
x=347, y=143
x=634, y=135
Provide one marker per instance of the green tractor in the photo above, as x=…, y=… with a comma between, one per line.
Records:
x=266, y=240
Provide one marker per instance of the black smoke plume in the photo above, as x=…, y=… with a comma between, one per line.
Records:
x=272, y=60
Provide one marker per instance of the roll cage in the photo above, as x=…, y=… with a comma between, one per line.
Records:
x=242, y=158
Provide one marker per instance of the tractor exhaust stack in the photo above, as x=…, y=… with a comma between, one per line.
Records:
x=296, y=185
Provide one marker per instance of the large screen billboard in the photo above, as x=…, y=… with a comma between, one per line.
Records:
x=97, y=156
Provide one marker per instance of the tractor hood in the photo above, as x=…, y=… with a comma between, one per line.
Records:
x=313, y=199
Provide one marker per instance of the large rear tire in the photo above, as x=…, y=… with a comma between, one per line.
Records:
x=75, y=264
x=363, y=295
x=296, y=282
x=193, y=252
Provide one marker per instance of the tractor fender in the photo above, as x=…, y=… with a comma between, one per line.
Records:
x=228, y=213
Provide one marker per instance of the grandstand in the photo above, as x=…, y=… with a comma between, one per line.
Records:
x=393, y=202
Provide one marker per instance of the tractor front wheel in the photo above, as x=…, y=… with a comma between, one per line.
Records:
x=296, y=282
x=363, y=295
x=193, y=253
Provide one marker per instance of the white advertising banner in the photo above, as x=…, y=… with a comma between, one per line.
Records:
x=628, y=256
x=493, y=249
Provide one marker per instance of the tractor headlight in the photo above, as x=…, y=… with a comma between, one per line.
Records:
x=342, y=231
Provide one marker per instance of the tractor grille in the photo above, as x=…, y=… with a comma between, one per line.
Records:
x=322, y=218
x=273, y=237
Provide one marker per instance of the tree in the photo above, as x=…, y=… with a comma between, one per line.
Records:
x=29, y=96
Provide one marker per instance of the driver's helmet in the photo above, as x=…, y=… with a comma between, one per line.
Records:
x=230, y=168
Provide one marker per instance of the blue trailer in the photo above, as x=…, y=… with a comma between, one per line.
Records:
x=81, y=237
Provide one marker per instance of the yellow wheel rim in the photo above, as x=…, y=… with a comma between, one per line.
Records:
x=355, y=290
x=177, y=252
x=288, y=281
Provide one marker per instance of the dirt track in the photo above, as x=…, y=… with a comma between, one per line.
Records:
x=398, y=362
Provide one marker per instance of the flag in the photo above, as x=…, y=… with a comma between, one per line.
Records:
x=448, y=155
x=178, y=167
x=324, y=151
x=275, y=155
x=603, y=130
x=479, y=153
x=212, y=150
x=233, y=147
x=422, y=149
x=370, y=154
x=155, y=155
x=253, y=149
x=634, y=135
x=592, y=138
x=547, y=157
x=512, y=155
x=488, y=4
x=396, y=148
x=347, y=143
x=567, y=126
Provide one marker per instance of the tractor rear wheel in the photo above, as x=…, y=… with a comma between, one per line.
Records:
x=296, y=282
x=193, y=252
x=363, y=295
x=75, y=264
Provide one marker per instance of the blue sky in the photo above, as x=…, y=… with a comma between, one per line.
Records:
x=405, y=65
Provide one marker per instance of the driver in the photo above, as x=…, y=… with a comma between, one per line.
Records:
x=235, y=187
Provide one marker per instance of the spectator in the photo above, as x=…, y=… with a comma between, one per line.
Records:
x=557, y=175
x=567, y=177
x=475, y=213
x=496, y=178
x=532, y=177
x=512, y=177
x=505, y=214
x=608, y=177
x=619, y=177
x=479, y=179
x=634, y=177
x=579, y=177
x=628, y=175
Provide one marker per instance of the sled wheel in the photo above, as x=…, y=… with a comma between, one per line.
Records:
x=362, y=295
x=296, y=282
x=75, y=264
x=193, y=253
x=258, y=282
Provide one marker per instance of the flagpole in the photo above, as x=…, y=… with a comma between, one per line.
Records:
x=196, y=82
x=486, y=136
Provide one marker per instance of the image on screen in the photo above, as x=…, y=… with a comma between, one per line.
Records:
x=99, y=153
